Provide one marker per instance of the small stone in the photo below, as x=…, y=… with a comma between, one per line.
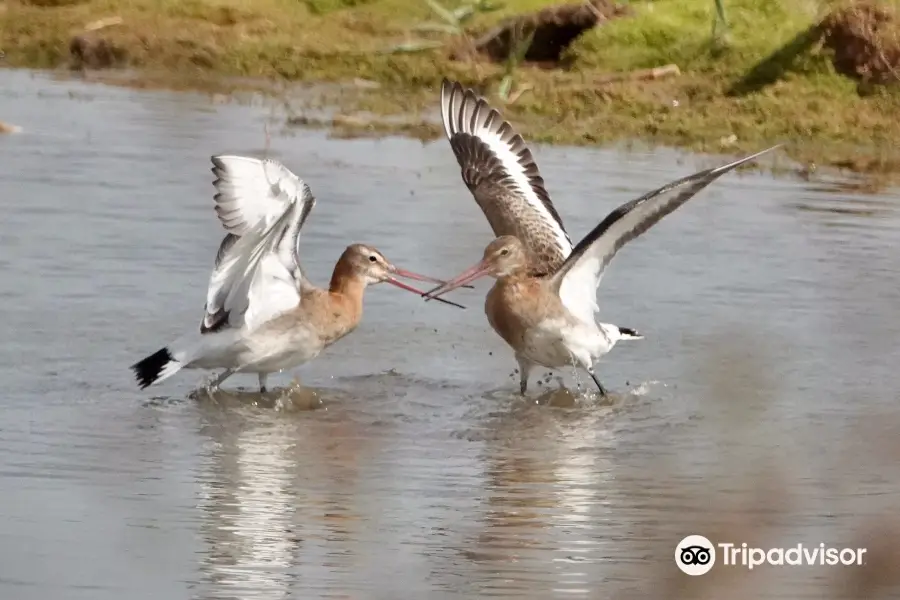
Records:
x=9, y=128
x=366, y=84
x=728, y=140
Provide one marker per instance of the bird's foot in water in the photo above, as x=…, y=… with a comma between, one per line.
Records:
x=296, y=383
x=600, y=387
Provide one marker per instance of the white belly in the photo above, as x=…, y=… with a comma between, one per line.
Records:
x=557, y=343
x=262, y=352
x=272, y=352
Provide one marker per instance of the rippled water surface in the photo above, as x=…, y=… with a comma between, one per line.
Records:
x=760, y=408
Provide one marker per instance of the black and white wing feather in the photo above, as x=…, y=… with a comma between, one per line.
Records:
x=501, y=174
x=263, y=206
x=577, y=279
x=215, y=317
x=250, y=190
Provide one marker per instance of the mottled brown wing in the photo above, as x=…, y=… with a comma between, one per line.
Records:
x=504, y=179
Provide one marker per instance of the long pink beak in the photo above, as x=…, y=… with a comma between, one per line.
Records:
x=467, y=276
x=417, y=277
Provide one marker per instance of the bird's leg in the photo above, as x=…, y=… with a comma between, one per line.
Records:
x=295, y=380
x=524, y=371
x=218, y=380
x=262, y=382
x=600, y=387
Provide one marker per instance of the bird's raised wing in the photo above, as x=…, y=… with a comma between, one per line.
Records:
x=214, y=315
x=250, y=190
x=577, y=279
x=244, y=291
x=500, y=172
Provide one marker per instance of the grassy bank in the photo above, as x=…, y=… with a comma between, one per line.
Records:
x=762, y=83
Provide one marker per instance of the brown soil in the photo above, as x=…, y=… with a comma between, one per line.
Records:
x=50, y=3
x=865, y=39
x=95, y=53
x=554, y=28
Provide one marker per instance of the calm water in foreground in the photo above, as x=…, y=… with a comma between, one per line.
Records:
x=760, y=408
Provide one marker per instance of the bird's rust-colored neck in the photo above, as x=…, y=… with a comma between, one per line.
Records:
x=346, y=281
x=346, y=295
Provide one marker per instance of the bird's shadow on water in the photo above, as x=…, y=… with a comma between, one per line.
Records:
x=562, y=405
x=368, y=392
x=396, y=397
x=563, y=396
x=293, y=398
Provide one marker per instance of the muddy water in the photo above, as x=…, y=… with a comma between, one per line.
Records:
x=760, y=408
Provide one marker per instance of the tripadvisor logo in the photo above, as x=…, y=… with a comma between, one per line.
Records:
x=696, y=555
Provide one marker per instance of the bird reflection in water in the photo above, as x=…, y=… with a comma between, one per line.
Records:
x=547, y=476
x=274, y=497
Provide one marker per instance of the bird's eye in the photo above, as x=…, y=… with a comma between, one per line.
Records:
x=372, y=258
x=504, y=252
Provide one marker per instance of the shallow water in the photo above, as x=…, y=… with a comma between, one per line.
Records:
x=761, y=407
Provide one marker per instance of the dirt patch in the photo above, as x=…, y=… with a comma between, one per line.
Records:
x=94, y=52
x=50, y=3
x=865, y=39
x=124, y=49
x=554, y=28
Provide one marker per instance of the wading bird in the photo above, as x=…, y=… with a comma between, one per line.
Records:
x=545, y=297
x=262, y=314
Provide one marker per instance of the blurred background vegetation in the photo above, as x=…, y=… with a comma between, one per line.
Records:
x=710, y=75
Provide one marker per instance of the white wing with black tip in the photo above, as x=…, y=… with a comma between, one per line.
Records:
x=248, y=292
x=576, y=281
x=250, y=190
x=215, y=317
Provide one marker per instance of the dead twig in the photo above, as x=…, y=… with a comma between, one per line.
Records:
x=103, y=23
x=670, y=70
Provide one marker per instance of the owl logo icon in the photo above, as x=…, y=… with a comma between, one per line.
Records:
x=695, y=555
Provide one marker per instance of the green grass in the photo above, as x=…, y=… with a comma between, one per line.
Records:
x=682, y=33
x=728, y=96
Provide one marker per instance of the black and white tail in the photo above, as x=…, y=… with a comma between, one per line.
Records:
x=627, y=333
x=155, y=368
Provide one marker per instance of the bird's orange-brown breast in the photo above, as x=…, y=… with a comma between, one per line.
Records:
x=331, y=313
x=516, y=304
x=338, y=311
